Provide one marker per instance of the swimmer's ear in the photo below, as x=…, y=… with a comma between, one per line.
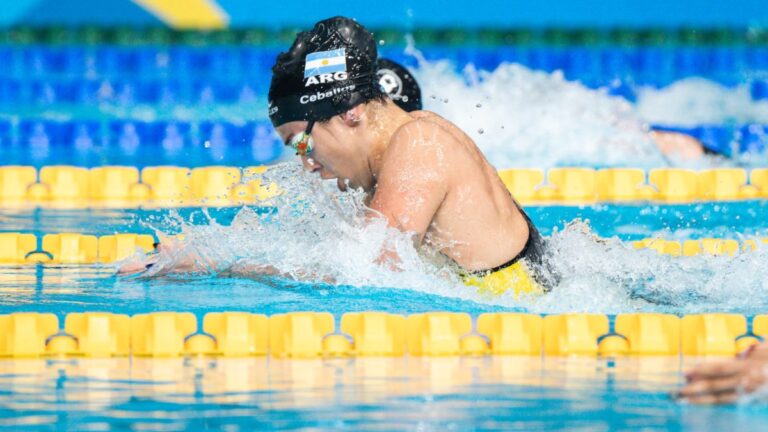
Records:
x=352, y=117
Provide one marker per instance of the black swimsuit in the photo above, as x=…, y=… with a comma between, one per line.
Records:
x=533, y=252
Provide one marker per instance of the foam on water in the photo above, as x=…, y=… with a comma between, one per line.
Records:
x=610, y=276
x=316, y=233
x=521, y=117
x=320, y=234
x=697, y=101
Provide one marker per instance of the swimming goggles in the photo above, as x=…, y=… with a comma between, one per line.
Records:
x=303, y=142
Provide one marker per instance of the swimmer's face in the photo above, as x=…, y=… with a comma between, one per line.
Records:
x=336, y=153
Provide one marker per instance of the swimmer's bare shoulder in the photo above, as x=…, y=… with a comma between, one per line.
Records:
x=428, y=138
x=450, y=127
x=415, y=175
x=429, y=115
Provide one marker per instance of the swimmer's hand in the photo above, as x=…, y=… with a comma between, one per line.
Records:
x=724, y=381
x=137, y=266
x=176, y=259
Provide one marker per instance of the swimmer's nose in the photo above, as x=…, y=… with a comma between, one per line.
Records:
x=310, y=164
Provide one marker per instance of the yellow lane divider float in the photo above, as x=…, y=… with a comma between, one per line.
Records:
x=670, y=185
x=221, y=185
x=70, y=186
x=313, y=334
x=708, y=246
x=73, y=248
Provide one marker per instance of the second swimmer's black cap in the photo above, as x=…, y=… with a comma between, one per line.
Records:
x=399, y=84
x=327, y=71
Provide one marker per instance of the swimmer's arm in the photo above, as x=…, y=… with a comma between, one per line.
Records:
x=413, y=179
x=146, y=267
x=255, y=270
x=179, y=259
x=678, y=145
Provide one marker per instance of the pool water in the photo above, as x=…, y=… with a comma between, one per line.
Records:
x=443, y=393
x=66, y=289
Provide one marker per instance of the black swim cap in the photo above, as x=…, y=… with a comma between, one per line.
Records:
x=399, y=84
x=328, y=70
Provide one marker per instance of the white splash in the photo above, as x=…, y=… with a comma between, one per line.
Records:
x=521, y=117
x=537, y=119
x=609, y=276
x=697, y=101
x=319, y=234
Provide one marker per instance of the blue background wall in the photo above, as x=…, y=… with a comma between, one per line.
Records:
x=412, y=13
x=473, y=13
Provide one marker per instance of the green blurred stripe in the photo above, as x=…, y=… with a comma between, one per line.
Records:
x=156, y=35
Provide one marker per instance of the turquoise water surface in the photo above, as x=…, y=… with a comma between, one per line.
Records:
x=492, y=393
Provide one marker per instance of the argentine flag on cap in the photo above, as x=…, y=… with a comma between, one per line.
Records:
x=324, y=62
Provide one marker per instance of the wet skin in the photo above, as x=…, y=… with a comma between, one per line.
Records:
x=721, y=382
x=424, y=175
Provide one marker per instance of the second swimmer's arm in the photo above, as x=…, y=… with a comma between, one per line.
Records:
x=678, y=145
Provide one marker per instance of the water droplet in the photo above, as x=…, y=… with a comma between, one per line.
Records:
x=433, y=97
x=479, y=105
x=481, y=131
x=381, y=42
x=445, y=100
x=207, y=144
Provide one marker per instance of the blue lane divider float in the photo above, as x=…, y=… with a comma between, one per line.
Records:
x=37, y=141
x=163, y=92
x=651, y=65
x=114, y=61
x=260, y=136
x=128, y=92
x=759, y=89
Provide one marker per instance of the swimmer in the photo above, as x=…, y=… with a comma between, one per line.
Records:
x=678, y=145
x=725, y=381
x=399, y=85
x=422, y=173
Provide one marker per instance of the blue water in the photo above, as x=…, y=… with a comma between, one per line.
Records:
x=499, y=393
